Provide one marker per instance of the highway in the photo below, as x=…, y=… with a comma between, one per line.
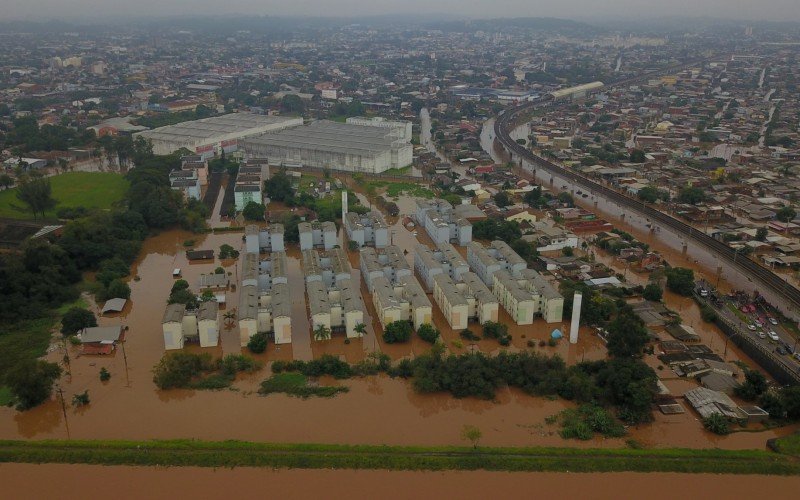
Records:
x=508, y=119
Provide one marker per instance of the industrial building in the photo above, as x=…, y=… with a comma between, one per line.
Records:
x=265, y=303
x=396, y=294
x=402, y=130
x=336, y=146
x=523, y=292
x=442, y=223
x=577, y=92
x=317, y=235
x=180, y=325
x=334, y=300
x=264, y=239
x=367, y=230
x=210, y=135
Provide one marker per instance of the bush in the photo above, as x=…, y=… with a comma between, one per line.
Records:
x=708, y=314
x=680, y=280
x=118, y=289
x=531, y=343
x=653, y=292
x=219, y=270
x=296, y=384
x=717, y=423
x=105, y=375
x=176, y=370
x=468, y=335
x=258, y=343
x=352, y=245
x=582, y=423
x=397, y=332
x=76, y=319
x=81, y=399
x=428, y=333
x=228, y=252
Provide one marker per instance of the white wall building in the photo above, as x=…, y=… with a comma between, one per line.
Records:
x=442, y=224
x=317, y=235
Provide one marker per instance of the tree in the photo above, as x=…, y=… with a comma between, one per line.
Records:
x=627, y=335
x=637, y=156
x=691, y=195
x=651, y=194
x=360, y=329
x=76, y=319
x=653, y=292
x=754, y=385
x=81, y=399
x=761, y=233
x=472, y=434
x=254, y=211
x=680, y=280
x=428, y=333
x=6, y=181
x=227, y=252
x=534, y=197
x=567, y=252
x=179, y=285
x=37, y=194
x=791, y=401
x=105, y=375
x=279, y=187
x=397, y=331
x=31, y=382
x=258, y=343
x=292, y=104
x=786, y=214
x=502, y=199
x=185, y=297
x=118, y=289
x=322, y=332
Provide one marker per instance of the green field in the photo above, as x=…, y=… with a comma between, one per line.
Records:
x=74, y=189
x=319, y=456
x=395, y=189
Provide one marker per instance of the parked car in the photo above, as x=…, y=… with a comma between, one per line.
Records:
x=762, y=335
x=703, y=292
x=758, y=323
x=773, y=335
x=780, y=350
x=797, y=356
x=789, y=349
x=773, y=320
x=751, y=327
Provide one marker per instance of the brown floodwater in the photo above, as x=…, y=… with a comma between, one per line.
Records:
x=94, y=481
x=376, y=410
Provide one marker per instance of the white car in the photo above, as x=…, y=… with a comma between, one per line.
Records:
x=751, y=327
x=762, y=335
x=759, y=324
x=703, y=292
x=773, y=335
x=773, y=320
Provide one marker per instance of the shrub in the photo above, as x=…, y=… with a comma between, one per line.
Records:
x=219, y=270
x=31, y=382
x=352, y=245
x=227, y=252
x=105, y=375
x=296, y=384
x=81, y=399
x=428, y=333
x=467, y=334
x=717, y=423
x=177, y=369
x=76, y=319
x=258, y=343
x=397, y=331
x=531, y=343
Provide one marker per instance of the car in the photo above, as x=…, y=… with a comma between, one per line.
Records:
x=789, y=349
x=751, y=327
x=773, y=335
x=762, y=335
x=773, y=320
x=703, y=292
x=796, y=356
x=585, y=195
x=780, y=350
x=758, y=323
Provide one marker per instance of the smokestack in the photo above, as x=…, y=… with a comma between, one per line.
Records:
x=576, y=318
x=344, y=204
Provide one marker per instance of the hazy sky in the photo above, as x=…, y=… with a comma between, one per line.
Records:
x=573, y=9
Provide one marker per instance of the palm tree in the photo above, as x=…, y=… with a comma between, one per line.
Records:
x=360, y=329
x=322, y=332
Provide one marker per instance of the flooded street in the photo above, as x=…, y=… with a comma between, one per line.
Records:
x=122, y=482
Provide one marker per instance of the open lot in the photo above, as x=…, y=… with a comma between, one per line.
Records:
x=74, y=189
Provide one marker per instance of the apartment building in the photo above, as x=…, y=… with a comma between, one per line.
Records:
x=265, y=239
x=442, y=223
x=180, y=325
x=317, y=235
x=334, y=299
x=444, y=259
x=498, y=256
x=396, y=294
x=367, y=230
x=464, y=301
x=265, y=303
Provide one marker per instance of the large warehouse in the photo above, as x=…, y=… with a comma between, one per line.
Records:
x=209, y=135
x=333, y=145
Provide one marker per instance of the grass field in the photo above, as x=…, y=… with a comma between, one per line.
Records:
x=789, y=445
x=317, y=456
x=395, y=189
x=5, y=396
x=74, y=189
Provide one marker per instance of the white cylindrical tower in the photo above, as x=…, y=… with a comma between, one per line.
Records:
x=344, y=204
x=576, y=318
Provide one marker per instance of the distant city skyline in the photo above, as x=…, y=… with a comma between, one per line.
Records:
x=765, y=10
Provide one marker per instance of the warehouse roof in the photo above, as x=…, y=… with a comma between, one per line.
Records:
x=215, y=126
x=326, y=135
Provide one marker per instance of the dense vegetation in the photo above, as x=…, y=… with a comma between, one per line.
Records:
x=296, y=384
x=183, y=370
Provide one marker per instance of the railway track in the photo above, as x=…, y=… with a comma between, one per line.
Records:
x=508, y=119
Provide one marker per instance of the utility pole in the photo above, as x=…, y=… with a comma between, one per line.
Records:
x=125, y=359
x=63, y=408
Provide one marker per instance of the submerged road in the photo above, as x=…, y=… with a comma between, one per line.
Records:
x=667, y=228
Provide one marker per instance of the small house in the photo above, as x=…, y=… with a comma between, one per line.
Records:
x=101, y=339
x=172, y=326
x=208, y=324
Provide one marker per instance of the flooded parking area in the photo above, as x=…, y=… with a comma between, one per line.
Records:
x=69, y=481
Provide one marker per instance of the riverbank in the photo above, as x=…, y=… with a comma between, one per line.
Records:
x=321, y=456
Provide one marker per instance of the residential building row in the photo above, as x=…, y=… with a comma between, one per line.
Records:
x=317, y=235
x=264, y=239
x=201, y=325
x=334, y=298
x=265, y=303
x=396, y=294
x=523, y=292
